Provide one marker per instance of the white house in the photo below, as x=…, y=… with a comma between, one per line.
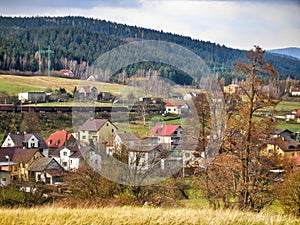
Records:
x=32, y=97
x=68, y=157
x=295, y=91
x=168, y=135
x=88, y=93
x=189, y=96
x=26, y=140
x=176, y=107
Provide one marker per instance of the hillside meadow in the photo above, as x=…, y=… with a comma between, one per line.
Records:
x=15, y=84
x=137, y=216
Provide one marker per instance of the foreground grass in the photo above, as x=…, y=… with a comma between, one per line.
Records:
x=137, y=215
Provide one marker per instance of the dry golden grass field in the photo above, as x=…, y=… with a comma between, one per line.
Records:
x=138, y=216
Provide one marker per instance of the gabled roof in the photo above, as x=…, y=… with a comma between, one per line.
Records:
x=86, y=89
x=164, y=130
x=286, y=144
x=178, y=104
x=147, y=148
x=17, y=139
x=127, y=136
x=93, y=124
x=17, y=154
x=42, y=164
x=280, y=131
x=56, y=153
x=58, y=138
x=20, y=139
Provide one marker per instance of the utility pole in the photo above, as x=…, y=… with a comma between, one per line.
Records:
x=48, y=51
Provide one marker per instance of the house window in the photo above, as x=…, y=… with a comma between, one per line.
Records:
x=71, y=161
x=32, y=145
x=107, y=124
x=84, y=137
x=64, y=164
x=169, y=109
x=112, y=130
x=64, y=153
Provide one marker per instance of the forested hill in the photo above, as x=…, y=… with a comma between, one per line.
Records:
x=78, y=41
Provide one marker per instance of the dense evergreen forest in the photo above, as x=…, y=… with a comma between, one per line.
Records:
x=78, y=41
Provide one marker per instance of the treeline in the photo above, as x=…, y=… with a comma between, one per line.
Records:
x=78, y=41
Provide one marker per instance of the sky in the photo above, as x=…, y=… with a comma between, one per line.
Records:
x=236, y=24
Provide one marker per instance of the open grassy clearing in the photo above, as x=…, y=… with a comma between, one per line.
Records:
x=290, y=126
x=287, y=106
x=138, y=216
x=15, y=84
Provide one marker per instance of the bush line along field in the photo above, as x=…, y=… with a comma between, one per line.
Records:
x=137, y=216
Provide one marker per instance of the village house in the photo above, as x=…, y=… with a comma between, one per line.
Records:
x=96, y=130
x=190, y=96
x=60, y=138
x=232, y=89
x=66, y=72
x=32, y=97
x=293, y=116
x=35, y=141
x=168, y=135
x=285, y=133
x=295, y=91
x=124, y=139
x=18, y=161
x=47, y=170
x=144, y=157
x=176, y=107
x=68, y=157
x=282, y=146
x=88, y=93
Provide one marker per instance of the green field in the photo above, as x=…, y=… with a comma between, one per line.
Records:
x=138, y=216
x=287, y=106
x=15, y=84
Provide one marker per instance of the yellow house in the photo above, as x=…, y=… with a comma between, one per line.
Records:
x=19, y=159
x=97, y=130
x=283, y=146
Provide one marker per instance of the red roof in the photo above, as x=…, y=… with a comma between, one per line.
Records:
x=170, y=104
x=295, y=160
x=164, y=130
x=58, y=138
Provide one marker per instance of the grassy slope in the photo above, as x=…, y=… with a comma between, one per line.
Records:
x=287, y=106
x=137, y=215
x=14, y=84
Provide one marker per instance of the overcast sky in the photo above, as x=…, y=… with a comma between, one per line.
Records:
x=236, y=24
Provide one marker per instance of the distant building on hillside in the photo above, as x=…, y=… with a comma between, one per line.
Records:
x=32, y=97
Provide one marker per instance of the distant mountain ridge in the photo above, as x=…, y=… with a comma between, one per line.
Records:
x=78, y=41
x=291, y=51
